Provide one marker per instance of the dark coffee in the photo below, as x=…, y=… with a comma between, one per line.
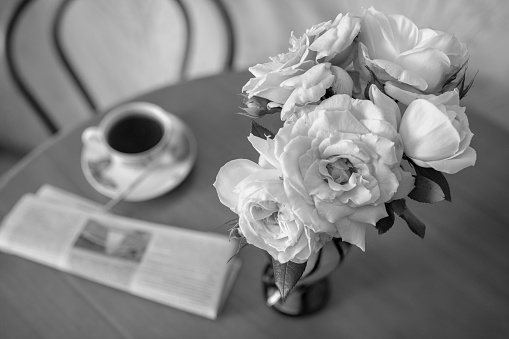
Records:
x=135, y=134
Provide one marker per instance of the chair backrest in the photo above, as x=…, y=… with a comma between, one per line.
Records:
x=72, y=58
x=14, y=71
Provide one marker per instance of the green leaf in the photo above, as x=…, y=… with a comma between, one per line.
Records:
x=287, y=275
x=461, y=87
x=385, y=224
x=416, y=226
x=433, y=175
x=373, y=81
x=259, y=131
x=235, y=232
x=426, y=190
x=242, y=243
x=451, y=82
x=329, y=92
x=342, y=246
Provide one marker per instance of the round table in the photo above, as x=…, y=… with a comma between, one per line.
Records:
x=451, y=284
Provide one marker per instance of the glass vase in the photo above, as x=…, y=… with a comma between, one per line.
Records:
x=312, y=291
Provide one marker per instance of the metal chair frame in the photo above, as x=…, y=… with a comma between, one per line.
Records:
x=28, y=94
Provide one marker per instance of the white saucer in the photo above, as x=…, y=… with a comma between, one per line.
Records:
x=110, y=178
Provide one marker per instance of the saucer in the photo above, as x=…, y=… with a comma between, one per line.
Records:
x=110, y=177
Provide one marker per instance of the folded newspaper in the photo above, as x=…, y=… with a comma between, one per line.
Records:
x=185, y=269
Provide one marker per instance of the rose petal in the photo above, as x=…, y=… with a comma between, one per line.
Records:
x=251, y=235
x=321, y=189
x=467, y=135
x=406, y=94
x=343, y=149
x=430, y=64
x=381, y=128
x=265, y=178
x=334, y=122
x=290, y=164
x=360, y=195
x=426, y=34
x=406, y=183
x=268, y=87
x=401, y=74
x=365, y=110
x=456, y=164
x=259, y=70
x=427, y=132
x=369, y=214
x=266, y=149
x=276, y=94
x=251, y=84
x=336, y=39
x=387, y=181
x=262, y=161
x=377, y=35
x=343, y=83
x=455, y=50
x=308, y=87
x=306, y=211
x=406, y=33
x=388, y=107
x=338, y=102
x=352, y=232
x=451, y=98
x=403, y=93
x=229, y=176
x=302, y=248
x=333, y=211
x=384, y=148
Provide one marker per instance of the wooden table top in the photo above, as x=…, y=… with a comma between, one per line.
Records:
x=452, y=284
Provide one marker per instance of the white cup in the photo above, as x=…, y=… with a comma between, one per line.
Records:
x=133, y=134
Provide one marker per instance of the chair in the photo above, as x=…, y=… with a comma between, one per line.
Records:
x=70, y=59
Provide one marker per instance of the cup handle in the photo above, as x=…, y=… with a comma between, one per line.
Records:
x=90, y=136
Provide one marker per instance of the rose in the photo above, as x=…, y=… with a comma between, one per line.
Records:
x=311, y=86
x=436, y=133
x=395, y=49
x=297, y=78
x=269, y=76
x=335, y=42
x=340, y=164
x=266, y=219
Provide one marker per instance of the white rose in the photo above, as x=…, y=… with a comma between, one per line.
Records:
x=335, y=42
x=436, y=133
x=296, y=78
x=307, y=88
x=269, y=76
x=397, y=50
x=340, y=164
x=265, y=216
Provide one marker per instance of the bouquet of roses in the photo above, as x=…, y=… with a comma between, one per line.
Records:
x=372, y=115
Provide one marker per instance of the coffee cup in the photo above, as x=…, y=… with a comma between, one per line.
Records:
x=133, y=134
